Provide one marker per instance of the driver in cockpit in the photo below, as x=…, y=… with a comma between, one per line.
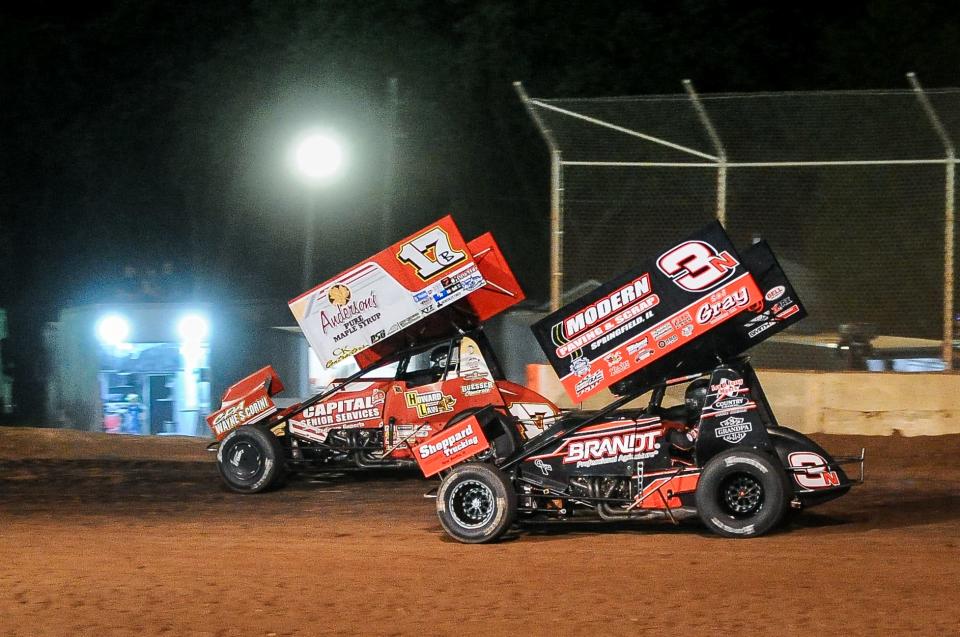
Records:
x=682, y=423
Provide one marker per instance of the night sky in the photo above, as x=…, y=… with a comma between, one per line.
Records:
x=135, y=134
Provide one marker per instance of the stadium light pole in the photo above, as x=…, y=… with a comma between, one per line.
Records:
x=319, y=159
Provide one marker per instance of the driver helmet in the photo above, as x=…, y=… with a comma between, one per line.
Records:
x=438, y=358
x=695, y=397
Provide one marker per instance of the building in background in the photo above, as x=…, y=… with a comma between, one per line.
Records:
x=160, y=368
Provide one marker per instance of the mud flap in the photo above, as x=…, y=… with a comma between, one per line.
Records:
x=451, y=446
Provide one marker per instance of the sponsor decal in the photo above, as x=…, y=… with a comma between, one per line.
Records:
x=790, y=311
x=613, y=448
x=339, y=295
x=319, y=433
x=645, y=354
x=471, y=280
x=449, y=445
x=746, y=530
x=623, y=323
x=430, y=403
x=616, y=364
x=775, y=293
x=633, y=348
x=236, y=415
x=608, y=305
x=349, y=315
x=448, y=287
x=727, y=387
x=730, y=403
x=404, y=432
x=721, y=305
x=681, y=319
x=778, y=307
x=343, y=411
x=613, y=359
x=616, y=370
x=661, y=330
x=816, y=474
x=422, y=297
x=342, y=353
x=543, y=466
x=667, y=342
x=733, y=429
x=410, y=320
x=759, y=330
x=610, y=329
x=476, y=389
x=687, y=331
x=580, y=366
x=759, y=318
x=589, y=382
x=472, y=364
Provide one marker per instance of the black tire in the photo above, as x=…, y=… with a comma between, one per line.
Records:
x=476, y=503
x=742, y=493
x=250, y=460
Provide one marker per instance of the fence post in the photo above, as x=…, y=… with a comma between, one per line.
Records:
x=556, y=201
x=948, y=248
x=718, y=149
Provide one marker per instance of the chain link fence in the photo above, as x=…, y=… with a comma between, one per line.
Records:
x=854, y=189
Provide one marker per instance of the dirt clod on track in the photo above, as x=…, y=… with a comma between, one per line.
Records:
x=105, y=535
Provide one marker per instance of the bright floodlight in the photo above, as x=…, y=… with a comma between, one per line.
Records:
x=319, y=156
x=113, y=329
x=193, y=328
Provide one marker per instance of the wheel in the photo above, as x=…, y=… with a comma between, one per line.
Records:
x=250, y=460
x=476, y=503
x=742, y=493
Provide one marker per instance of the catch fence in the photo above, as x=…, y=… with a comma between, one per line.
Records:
x=854, y=190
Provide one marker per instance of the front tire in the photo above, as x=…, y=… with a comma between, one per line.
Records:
x=476, y=503
x=742, y=493
x=250, y=460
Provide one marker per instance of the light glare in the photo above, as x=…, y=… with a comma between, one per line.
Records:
x=193, y=328
x=319, y=156
x=113, y=329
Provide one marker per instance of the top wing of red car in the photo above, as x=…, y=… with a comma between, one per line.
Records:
x=674, y=315
x=424, y=287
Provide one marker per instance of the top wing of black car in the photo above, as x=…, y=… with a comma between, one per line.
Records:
x=678, y=313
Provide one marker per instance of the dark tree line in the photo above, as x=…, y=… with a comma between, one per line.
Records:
x=157, y=130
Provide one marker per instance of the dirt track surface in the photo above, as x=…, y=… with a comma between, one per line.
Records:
x=99, y=537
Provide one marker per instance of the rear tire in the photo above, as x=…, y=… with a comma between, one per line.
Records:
x=250, y=460
x=476, y=503
x=742, y=493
